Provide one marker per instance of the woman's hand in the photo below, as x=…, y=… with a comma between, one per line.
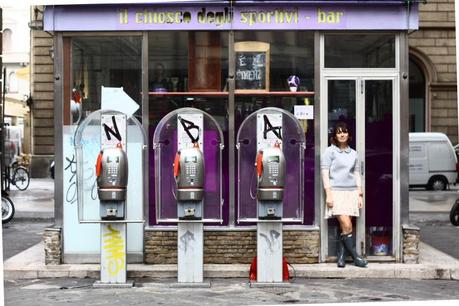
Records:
x=329, y=199
x=360, y=201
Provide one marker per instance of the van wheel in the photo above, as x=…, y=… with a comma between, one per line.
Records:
x=437, y=183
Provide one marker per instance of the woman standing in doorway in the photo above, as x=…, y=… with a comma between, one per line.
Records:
x=343, y=189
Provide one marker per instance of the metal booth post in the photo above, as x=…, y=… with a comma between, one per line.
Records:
x=113, y=203
x=112, y=172
x=274, y=139
x=269, y=198
x=188, y=146
x=190, y=182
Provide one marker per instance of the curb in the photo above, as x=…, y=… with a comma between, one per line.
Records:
x=322, y=271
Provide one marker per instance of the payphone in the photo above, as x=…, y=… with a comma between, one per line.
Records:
x=270, y=167
x=112, y=178
x=189, y=178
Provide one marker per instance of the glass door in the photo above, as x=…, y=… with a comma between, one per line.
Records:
x=342, y=98
x=366, y=106
x=377, y=153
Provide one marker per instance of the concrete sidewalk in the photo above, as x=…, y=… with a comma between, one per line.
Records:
x=433, y=265
x=36, y=202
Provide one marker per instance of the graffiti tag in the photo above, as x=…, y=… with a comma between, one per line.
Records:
x=113, y=244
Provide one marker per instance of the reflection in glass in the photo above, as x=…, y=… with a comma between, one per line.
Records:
x=341, y=107
x=360, y=50
x=378, y=166
x=291, y=53
x=104, y=61
x=187, y=69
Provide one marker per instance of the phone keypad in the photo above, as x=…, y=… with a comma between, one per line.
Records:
x=273, y=170
x=191, y=170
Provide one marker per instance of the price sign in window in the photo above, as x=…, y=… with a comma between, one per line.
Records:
x=252, y=66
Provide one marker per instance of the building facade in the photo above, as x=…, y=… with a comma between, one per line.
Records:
x=351, y=66
x=433, y=92
x=16, y=55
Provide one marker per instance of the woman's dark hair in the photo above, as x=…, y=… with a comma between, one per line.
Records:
x=340, y=127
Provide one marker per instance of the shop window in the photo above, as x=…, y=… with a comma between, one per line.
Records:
x=360, y=50
x=103, y=61
x=284, y=55
x=12, y=83
x=187, y=69
x=417, y=98
x=7, y=41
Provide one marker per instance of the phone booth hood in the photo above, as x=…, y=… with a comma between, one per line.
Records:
x=87, y=141
x=293, y=144
x=165, y=146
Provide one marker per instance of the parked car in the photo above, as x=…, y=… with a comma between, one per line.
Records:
x=432, y=161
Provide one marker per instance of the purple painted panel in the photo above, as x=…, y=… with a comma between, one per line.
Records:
x=168, y=188
x=286, y=17
x=247, y=176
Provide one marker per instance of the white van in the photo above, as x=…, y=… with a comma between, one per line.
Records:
x=432, y=161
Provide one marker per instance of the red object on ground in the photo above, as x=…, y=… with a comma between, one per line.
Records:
x=253, y=270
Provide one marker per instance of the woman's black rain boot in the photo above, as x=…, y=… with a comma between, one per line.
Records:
x=349, y=246
x=341, y=254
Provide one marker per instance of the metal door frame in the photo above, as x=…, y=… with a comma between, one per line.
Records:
x=360, y=75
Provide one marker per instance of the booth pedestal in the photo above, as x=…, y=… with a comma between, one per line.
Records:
x=113, y=256
x=269, y=252
x=190, y=251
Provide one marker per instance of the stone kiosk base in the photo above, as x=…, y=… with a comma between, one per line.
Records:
x=231, y=247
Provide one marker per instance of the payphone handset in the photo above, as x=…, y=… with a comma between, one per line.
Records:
x=270, y=167
x=189, y=174
x=112, y=174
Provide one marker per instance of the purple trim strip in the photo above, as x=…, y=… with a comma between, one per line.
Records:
x=270, y=17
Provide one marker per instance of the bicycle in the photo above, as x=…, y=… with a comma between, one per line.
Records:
x=454, y=214
x=18, y=175
x=7, y=208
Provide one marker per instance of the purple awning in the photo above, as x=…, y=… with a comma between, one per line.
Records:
x=242, y=15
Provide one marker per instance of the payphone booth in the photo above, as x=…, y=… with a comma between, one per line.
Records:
x=270, y=146
x=110, y=150
x=188, y=145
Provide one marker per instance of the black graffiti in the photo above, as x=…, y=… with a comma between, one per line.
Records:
x=186, y=239
x=188, y=126
x=94, y=190
x=113, y=131
x=71, y=192
x=272, y=240
x=268, y=127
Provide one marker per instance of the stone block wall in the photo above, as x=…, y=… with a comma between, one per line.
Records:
x=411, y=238
x=42, y=94
x=435, y=45
x=52, y=238
x=232, y=247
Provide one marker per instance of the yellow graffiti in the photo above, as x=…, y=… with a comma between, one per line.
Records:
x=114, y=246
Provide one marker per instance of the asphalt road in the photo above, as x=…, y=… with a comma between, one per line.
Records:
x=429, y=211
x=20, y=235
x=226, y=292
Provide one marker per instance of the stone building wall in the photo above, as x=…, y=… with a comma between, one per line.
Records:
x=232, y=247
x=42, y=94
x=435, y=46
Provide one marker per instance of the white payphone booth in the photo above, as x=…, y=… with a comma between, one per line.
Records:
x=188, y=145
x=270, y=145
x=104, y=189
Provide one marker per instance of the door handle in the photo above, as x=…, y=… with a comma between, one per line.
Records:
x=362, y=168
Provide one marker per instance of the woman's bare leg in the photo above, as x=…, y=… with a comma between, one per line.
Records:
x=345, y=222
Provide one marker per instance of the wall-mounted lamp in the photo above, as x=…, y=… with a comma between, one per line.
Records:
x=36, y=25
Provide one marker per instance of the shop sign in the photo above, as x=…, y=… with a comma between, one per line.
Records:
x=151, y=17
